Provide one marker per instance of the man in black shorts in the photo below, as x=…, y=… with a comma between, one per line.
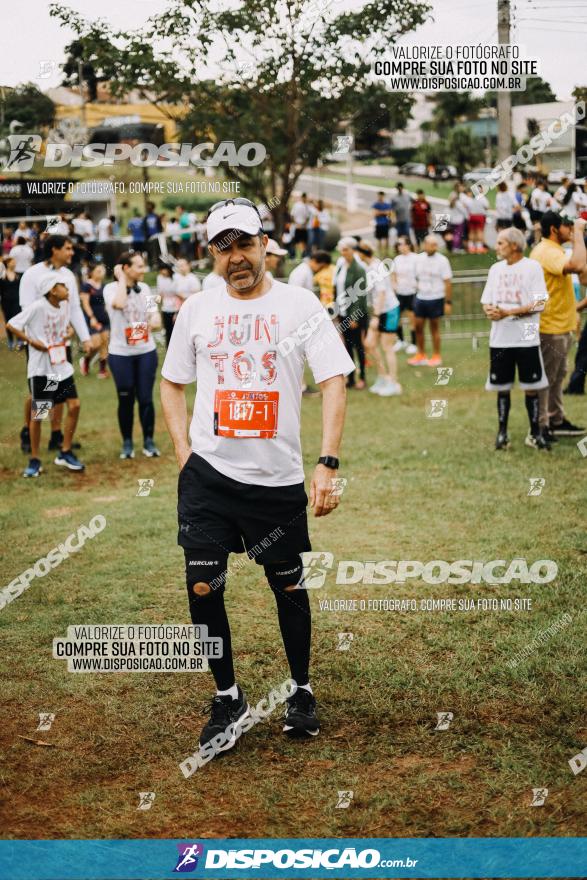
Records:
x=241, y=484
x=514, y=296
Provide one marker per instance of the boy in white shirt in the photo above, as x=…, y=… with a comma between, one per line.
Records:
x=44, y=326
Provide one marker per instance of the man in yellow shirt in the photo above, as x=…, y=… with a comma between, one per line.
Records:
x=559, y=318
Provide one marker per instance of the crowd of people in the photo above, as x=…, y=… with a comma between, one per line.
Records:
x=462, y=224
x=49, y=292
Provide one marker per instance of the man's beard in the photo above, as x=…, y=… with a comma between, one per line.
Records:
x=242, y=286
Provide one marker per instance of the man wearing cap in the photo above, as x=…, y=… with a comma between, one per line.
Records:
x=559, y=318
x=303, y=274
x=273, y=257
x=241, y=482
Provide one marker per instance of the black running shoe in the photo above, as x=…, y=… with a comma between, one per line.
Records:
x=25, y=440
x=225, y=713
x=502, y=441
x=549, y=436
x=300, y=715
x=567, y=429
x=537, y=441
x=56, y=441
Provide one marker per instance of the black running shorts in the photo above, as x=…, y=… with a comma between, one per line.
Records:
x=406, y=302
x=45, y=388
x=502, y=369
x=268, y=522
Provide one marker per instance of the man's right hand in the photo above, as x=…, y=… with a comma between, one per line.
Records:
x=182, y=456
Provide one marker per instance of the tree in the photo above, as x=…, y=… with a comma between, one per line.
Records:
x=292, y=72
x=537, y=91
x=460, y=148
x=28, y=105
x=453, y=107
x=379, y=109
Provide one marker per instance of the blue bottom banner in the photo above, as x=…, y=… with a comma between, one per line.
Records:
x=304, y=858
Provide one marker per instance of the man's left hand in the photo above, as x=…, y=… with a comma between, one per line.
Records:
x=322, y=499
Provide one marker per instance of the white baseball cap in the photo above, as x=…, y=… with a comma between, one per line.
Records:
x=48, y=282
x=273, y=248
x=232, y=216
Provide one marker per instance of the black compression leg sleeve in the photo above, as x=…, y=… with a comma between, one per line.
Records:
x=293, y=612
x=207, y=608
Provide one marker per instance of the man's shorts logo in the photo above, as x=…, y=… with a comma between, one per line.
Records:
x=19, y=151
x=316, y=564
x=187, y=861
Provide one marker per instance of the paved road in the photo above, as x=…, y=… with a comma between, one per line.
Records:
x=335, y=191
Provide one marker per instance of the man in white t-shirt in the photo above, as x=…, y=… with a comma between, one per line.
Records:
x=514, y=296
x=300, y=215
x=303, y=275
x=432, y=300
x=241, y=485
x=58, y=256
x=541, y=201
x=23, y=255
x=105, y=228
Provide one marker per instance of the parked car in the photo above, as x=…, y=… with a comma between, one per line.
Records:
x=416, y=169
x=557, y=175
x=362, y=155
x=446, y=172
x=478, y=174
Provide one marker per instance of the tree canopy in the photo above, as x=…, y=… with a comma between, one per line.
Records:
x=285, y=73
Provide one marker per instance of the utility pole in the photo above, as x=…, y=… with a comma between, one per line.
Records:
x=504, y=99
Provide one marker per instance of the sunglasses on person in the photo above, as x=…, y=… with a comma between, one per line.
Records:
x=238, y=201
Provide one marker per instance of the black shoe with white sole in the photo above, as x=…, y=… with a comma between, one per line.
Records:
x=226, y=715
x=566, y=429
x=537, y=441
x=502, y=441
x=300, y=715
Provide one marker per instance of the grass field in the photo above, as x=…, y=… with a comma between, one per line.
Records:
x=418, y=488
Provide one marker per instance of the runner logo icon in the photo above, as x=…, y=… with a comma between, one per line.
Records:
x=187, y=861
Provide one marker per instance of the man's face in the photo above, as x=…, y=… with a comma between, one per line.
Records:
x=315, y=266
x=430, y=246
x=403, y=247
x=240, y=261
x=503, y=247
x=272, y=262
x=347, y=253
x=136, y=270
x=564, y=233
x=63, y=256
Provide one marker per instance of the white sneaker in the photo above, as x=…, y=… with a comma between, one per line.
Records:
x=391, y=389
x=399, y=345
x=411, y=349
x=377, y=385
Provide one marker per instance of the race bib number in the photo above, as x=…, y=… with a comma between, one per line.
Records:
x=57, y=354
x=246, y=414
x=138, y=332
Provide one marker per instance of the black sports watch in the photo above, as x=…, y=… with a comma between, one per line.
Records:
x=329, y=461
